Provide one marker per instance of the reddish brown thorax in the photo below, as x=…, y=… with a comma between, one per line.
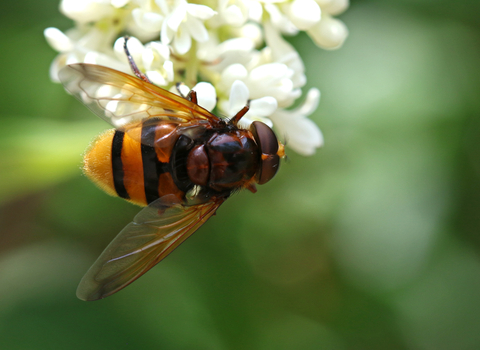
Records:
x=225, y=161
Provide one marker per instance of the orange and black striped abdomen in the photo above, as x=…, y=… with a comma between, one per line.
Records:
x=140, y=172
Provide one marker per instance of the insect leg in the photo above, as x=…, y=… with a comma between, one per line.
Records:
x=240, y=114
x=133, y=65
x=192, y=96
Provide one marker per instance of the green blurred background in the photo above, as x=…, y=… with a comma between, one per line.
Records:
x=373, y=243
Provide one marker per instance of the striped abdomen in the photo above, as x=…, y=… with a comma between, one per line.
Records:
x=142, y=171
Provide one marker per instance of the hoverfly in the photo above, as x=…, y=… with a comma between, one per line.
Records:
x=165, y=153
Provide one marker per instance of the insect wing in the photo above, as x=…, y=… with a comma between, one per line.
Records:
x=151, y=236
x=122, y=99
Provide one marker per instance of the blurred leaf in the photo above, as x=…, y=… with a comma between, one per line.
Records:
x=441, y=310
x=36, y=153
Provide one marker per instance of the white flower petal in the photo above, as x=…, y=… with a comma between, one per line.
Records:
x=147, y=58
x=156, y=77
x=329, y=33
x=266, y=121
x=135, y=47
x=304, y=13
x=71, y=59
x=334, y=7
x=253, y=32
x=302, y=134
x=232, y=73
x=91, y=57
x=102, y=59
x=148, y=21
x=166, y=34
x=197, y=29
x=119, y=3
x=200, y=11
x=176, y=17
x=182, y=42
x=263, y=107
x=85, y=10
x=311, y=137
x=283, y=52
x=111, y=106
x=95, y=39
x=184, y=89
x=206, y=95
x=58, y=40
x=279, y=46
x=275, y=14
x=58, y=63
x=289, y=97
x=168, y=67
x=239, y=95
x=118, y=48
x=223, y=106
x=247, y=120
x=311, y=102
x=269, y=71
x=272, y=79
x=234, y=16
x=161, y=49
x=235, y=44
x=280, y=21
x=207, y=51
x=162, y=4
x=255, y=11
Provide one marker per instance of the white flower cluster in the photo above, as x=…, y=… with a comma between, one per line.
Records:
x=229, y=51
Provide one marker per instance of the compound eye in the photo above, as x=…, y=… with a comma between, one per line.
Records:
x=265, y=138
x=268, y=144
